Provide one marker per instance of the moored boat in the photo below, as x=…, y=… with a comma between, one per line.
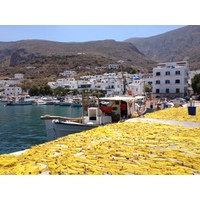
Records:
x=45, y=101
x=66, y=102
x=20, y=102
x=58, y=126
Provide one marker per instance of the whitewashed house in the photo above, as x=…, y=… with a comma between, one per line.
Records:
x=137, y=87
x=3, y=83
x=170, y=79
x=30, y=67
x=19, y=76
x=68, y=73
x=113, y=66
x=11, y=91
x=89, y=77
x=101, y=68
x=10, y=81
x=148, y=79
x=69, y=83
x=113, y=85
x=83, y=84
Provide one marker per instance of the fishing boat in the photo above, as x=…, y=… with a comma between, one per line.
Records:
x=58, y=126
x=45, y=101
x=66, y=102
x=20, y=102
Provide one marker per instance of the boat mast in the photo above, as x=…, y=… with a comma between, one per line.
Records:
x=83, y=104
x=123, y=79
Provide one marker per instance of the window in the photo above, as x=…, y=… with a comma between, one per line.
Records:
x=177, y=72
x=167, y=81
x=157, y=73
x=167, y=73
x=177, y=81
x=167, y=91
x=177, y=90
x=157, y=90
x=157, y=81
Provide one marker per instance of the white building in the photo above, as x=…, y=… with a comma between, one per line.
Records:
x=19, y=76
x=11, y=91
x=30, y=67
x=170, y=79
x=113, y=66
x=68, y=73
x=9, y=82
x=137, y=86
x=83, y=84
x=101, y=68
x=89, y=77
x=69, y=83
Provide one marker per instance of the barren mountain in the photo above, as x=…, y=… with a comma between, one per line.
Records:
x=50, y=58
x=176, y=45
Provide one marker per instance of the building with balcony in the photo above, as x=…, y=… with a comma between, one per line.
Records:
x=170, y=80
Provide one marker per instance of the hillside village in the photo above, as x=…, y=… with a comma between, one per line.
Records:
x=159, y=66
x=168, y=80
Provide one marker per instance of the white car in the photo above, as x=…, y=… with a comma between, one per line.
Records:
x=180, y=101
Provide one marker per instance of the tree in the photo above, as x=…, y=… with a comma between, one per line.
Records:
x=47, y=90
x=148, y=88
x=196, y=83
x=60, y=91
x=75, y=92
x=34, y=90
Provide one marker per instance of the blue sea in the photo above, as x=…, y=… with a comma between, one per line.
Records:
x=21, y=126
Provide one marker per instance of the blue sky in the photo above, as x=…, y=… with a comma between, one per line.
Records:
x=80, y=33
x=89, y=20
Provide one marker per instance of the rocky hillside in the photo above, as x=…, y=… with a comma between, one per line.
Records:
x=176, y=45
x=51, y=58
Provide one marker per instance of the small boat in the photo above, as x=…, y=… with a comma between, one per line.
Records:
x=20, y=102
x=76, y=102
x=66, y=102
x=45, y=101
x=58, y=126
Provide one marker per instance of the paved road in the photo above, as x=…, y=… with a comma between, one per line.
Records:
x=184, y=124
x=196, y=103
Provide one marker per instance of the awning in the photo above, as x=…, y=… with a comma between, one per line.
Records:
x=119, y=98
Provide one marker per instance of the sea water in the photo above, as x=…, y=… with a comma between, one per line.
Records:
x=21, y=126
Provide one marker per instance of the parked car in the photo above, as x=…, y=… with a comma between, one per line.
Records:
x=180, y=101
